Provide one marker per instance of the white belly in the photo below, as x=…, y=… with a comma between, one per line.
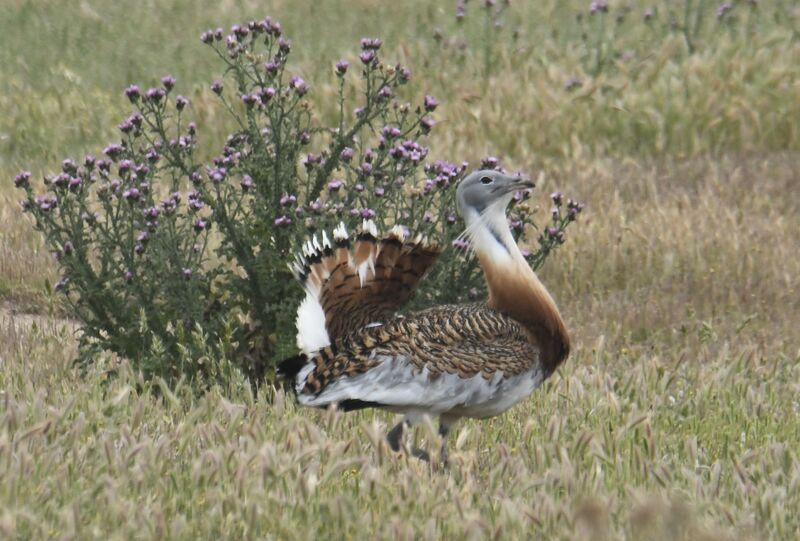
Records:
x=401, y=387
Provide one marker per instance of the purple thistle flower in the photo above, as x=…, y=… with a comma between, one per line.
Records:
x=366, y=168
x=341, y=67
x=391, y=132
x=451, y=219
x=367, y=213
x=126, y=126
x=68, y=248
x=489, y=162
x=555, y=212
x=207, y=37
x=271, y=67
x=200, y=224
x=598, y=6
x=557, y=198
x=249, y=99
x=246, y=183
x=151, y=213
x=461, y=244
x=334, y=185
x=359, y=187
x=195, y=203
x=133, y=93
x=128, y=276
x=22, y=180
x=181, y=102
x=522, y=195
x=142, y=170
x=113, y=151
x=168, y=81
x=316, y=206
x=143, y=237
x=124, y=166
x=266, y=94
x=136, y=119
x=283, y=221
x=380, y=191
x=138, y=249
x=426, y=124
x=371, y=43
x=404, y=74
x=152, y=155
x=287, y=199
x=155, y=94
x=89, y=161
x=216, y=87
x=305, y=138
x=431, y=103
x=358, y=111
x=241, y=32
x=516, y=225
x=68, y=166
x=648, y=14
x=346, y=155
x=61, y=180
x=75, y=183
x=723, y=9
x=355, y=212
x=284, y=45
x=218, y=33
x=217, y=175
x=186, y=273
x=46, y=203
x=131, y=194
x=367, y=57
x=299, y=85
x=384, y=93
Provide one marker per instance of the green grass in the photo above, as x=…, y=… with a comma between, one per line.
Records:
x=674, y=418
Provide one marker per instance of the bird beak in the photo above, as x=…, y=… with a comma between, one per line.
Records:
x=517, y=184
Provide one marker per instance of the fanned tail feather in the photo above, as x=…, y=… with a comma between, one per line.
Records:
x=356, y=280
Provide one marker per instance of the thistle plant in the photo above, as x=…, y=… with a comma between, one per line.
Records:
x=181, y=266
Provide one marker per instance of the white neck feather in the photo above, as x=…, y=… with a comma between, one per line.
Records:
x=490, y=235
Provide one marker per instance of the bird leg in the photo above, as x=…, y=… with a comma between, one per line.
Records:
x=395, y=436
x=395, y=440
x=444, y=429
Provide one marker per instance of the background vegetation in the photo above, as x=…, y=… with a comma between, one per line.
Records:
x=676, y=415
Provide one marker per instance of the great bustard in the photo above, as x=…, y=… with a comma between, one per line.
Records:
x=472, y=360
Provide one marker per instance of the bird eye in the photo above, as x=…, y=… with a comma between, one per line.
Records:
x=486, y=180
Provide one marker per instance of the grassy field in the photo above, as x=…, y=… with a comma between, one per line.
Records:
x=676, y=416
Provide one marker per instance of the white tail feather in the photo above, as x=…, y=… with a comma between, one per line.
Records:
x=311, y=332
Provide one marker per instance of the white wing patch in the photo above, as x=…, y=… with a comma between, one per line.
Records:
x=401, y=387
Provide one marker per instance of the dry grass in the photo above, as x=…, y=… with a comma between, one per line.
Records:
x=676, y=416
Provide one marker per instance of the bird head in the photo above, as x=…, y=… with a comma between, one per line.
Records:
x=484, y=190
